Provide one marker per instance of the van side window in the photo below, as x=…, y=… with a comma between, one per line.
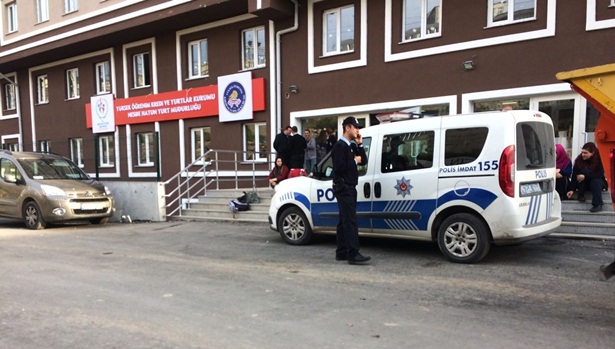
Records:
x=8, y=171
x=407, y=151
x=464, y=145
x=325, y=169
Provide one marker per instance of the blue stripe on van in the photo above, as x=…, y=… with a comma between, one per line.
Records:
x=533, y=212
x=480, y=197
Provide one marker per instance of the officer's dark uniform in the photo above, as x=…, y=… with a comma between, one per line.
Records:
x=345, y=179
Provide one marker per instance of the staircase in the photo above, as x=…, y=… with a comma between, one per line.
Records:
x=577, y=220
x=214, y=206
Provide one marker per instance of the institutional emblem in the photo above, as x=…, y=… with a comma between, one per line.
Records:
x=403, y=187
x=234, y=97
x=102, y=109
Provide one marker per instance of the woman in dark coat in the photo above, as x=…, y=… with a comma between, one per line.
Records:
x=588, y=174
x=278, y=173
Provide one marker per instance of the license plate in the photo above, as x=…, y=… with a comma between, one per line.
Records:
x=90, y=206
x=530, y=188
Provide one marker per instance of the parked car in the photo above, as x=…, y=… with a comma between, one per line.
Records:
x=43, y=188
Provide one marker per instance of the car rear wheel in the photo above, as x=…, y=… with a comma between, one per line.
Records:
x=294, y=227
x=33, y=217
x=464, y=238
x=99, y=220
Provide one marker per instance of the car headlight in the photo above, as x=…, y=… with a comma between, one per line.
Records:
x=49, y=190
x=107, y=190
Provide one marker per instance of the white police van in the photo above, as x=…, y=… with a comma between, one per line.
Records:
x=463, y=181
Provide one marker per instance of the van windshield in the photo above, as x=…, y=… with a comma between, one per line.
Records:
x=535, y=146
x=46, y=168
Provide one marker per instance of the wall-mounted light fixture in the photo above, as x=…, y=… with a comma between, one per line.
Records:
x=468, y=65
x=293, y=88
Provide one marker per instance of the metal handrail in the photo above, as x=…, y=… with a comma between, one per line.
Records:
x=207, y=166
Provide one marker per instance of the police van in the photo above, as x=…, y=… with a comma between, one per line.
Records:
x=463, y=181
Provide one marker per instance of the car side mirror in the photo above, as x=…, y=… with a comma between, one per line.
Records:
x=9, y=178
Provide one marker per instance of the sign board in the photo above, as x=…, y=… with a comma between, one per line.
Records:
x=235, y=102
x=102, y=110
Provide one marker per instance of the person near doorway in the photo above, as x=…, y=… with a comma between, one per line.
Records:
x=347, y=153
x=310, y=151
x=588, y=174
x=281, y=144
x=563, y=170
x=331, y=140
x=297, y=149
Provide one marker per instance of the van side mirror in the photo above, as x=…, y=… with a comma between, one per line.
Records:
x=9, y=178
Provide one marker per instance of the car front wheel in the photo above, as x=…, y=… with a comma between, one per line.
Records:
x=33, y=217
x=464, y=238
x=294, y=227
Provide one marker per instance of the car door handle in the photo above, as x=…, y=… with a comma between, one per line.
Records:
x=377, y=190
x=367, y=190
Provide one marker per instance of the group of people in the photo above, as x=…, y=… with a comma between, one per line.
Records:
x=584, y=174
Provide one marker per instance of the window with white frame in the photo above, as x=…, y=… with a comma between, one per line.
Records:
x=145, y=149
x=9, y=97
x=70, y=6
x=253, y=43
x=106, y=151
x=612, y=3
x=255, y=142
x=502, y=12
x=42, y=11
x=338, y=30
x=13, y=147
x=201, y=141
x=103, y=78
x=198, y=60
x=45, y=146
x=11, y=16
x=72, y=83
x=141, y=77
x=422, y=19
x=76, y=151
x=42, y=86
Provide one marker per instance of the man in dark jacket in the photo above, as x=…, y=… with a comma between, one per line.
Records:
x=281, y=144
x=297, y=149
x=346, y=156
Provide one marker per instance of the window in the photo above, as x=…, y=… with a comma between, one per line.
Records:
x=11, y=14
x=45, y=146
x=42, y=11
x=201, y=142
x=72, y=83
x=199, y=63
x=145, y=149
x=253, y=41
x=338, y=30
x=464, y=145
x=407, y=151
x=76, y=151
x=42, y=85
x=255, y=142
x=508, y=11
x=103, y=78
x=9, y=97
x=70, y=6
x=106, y=150
x=141, y=70
x=8, y=168
x=421, y=19
x=518, y=103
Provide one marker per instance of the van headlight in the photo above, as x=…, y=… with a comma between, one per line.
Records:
x=107, y=190
x=49, y=190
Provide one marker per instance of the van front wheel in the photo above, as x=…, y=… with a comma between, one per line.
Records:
x=294, y=227
x=33, y=217
x=464, y=238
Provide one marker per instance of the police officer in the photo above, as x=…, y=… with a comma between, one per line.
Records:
x=347, y=153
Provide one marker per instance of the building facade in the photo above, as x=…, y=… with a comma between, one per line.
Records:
x=311, y=64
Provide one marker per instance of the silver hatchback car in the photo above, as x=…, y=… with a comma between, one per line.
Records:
x=45, y=188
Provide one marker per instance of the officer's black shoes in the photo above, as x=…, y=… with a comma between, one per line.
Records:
x=358, y=259
x=341, y=257
x=596, y=208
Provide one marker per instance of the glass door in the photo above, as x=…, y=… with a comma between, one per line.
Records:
x=565, y=111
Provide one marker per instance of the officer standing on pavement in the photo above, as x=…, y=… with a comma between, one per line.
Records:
x=347, y=153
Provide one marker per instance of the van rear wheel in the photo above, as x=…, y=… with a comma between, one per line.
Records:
x=294, y=227
x=464, y=238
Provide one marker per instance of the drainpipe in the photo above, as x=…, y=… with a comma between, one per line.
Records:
x=278, y=73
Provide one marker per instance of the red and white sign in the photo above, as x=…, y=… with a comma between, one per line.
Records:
x=191, y=103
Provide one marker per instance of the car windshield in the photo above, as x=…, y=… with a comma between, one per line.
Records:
x=48, y=168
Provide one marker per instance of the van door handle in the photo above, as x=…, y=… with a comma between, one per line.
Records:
x=377, y=190
x=367, y=191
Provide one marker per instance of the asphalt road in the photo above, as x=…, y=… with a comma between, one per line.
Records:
x=220, y=285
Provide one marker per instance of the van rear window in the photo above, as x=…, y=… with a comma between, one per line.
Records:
x=464, y=145
x=535, y=146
